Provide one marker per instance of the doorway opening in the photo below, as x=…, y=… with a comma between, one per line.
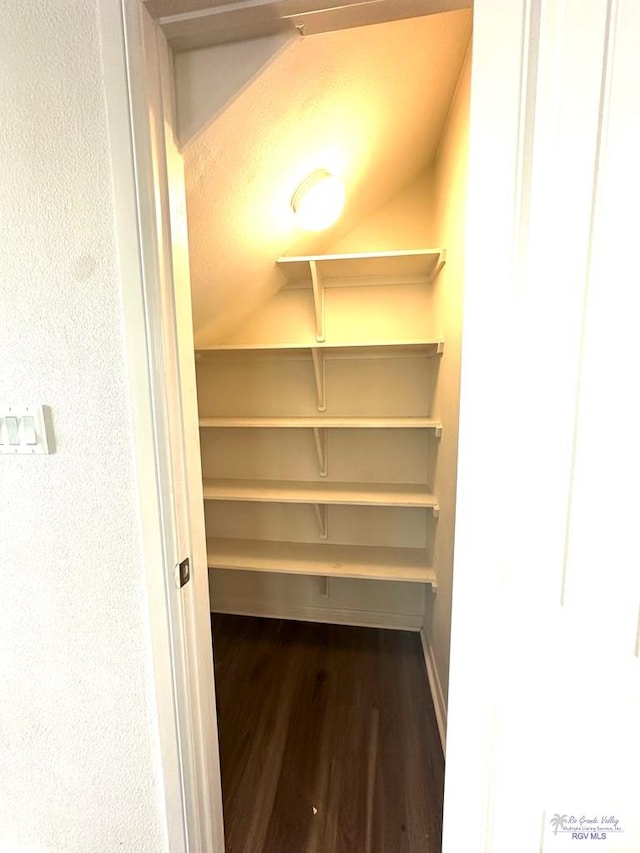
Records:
x=328, y=384
x=328, y=369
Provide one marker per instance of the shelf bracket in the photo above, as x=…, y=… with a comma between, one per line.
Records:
x=438, y=432
x=441, y=262
x=435, y=510
x=322, y=514
x=320, y=435
x=440, y=349
x=318, y=300
x=320, y=377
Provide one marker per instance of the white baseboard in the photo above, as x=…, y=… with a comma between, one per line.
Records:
x=436, y=689
x=337, y=616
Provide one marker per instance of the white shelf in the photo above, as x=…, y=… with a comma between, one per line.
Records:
x=286, y=491
x=389, y=292
x=320, y=272
x=340, y=561
x=412, y=265
x=317, y=354
x=320, y=422
x=331, y=350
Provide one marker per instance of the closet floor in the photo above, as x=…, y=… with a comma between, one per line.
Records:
x=328, y=739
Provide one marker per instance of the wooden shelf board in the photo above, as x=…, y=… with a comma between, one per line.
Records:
x=302, y=558
x=288, y=491
x=374, y=349
x=412, y=264
x=320, y=422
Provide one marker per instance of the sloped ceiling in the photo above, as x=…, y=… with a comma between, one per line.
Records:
x=368, y=103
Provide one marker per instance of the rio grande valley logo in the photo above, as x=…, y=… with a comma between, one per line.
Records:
x=585, y=827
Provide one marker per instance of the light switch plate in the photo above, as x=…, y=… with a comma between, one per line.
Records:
x=32, y=437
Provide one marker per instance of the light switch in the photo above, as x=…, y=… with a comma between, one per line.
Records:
x=23, y=429
x=28, y=430
x=11, y=430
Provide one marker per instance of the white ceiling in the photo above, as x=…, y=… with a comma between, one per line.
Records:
x=367, y=103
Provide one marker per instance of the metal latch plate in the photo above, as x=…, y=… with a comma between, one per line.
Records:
x=183, y=572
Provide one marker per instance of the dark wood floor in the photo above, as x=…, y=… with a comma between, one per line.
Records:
x=328, y=739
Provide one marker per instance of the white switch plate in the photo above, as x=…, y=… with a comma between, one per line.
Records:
x=38, y=424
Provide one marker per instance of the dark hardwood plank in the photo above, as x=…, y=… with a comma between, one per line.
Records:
x=328, y=739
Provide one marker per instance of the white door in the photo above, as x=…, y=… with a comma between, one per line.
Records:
x=544, y=720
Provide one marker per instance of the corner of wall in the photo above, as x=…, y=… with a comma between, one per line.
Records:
x=435, y=688
x=450, y=174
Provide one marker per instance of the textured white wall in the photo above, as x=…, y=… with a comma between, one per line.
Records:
x=405, y=221
x=78, y=761
x=208, y=80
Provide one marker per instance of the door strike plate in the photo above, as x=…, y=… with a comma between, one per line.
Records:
x=183, y=573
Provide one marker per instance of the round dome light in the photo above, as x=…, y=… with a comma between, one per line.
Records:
x=319, y=200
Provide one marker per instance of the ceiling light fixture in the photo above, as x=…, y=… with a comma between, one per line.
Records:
x=319, y=200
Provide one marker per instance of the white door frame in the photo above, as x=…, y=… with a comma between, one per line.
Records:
x=152, y=248
x=136, y=68
x=546, y=587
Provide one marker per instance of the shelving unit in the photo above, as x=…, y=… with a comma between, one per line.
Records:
x=321, y=495
x=319, y=272
x=335, y=561
x=395, y=267
x=320, y=427
x=318, y=353
x=313, y=320
x=366, y=299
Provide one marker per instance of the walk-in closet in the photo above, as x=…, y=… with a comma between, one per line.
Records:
x=328, y=366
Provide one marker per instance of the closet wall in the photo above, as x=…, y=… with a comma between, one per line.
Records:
x=450, y=179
